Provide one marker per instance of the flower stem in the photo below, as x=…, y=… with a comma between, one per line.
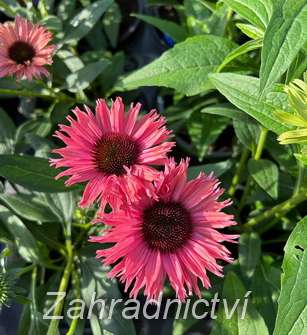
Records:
x=261, y=143
x=30, y=94
x=256, y=157
x=300, y=178
x=52, y=330
x=76, y=283
x=280, y=209
x=236, y=178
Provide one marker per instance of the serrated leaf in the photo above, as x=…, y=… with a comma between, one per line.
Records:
x=85, y=20
x=257, y=12
x=265, y=173
x=82, y=78
x=243, y=92
x=31, y=172
x=249, y=253
x=252, y=323
x=286, y=34
x=185, y=67
x=292, y=304
x=170, y=28
x=28, y=207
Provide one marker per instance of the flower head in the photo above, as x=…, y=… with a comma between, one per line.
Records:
x=172, y=235
x=113, y=151
x=24, y=49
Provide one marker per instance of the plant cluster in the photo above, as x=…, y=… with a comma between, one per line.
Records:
x=228, y=80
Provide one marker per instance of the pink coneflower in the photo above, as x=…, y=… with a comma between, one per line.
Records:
x=113, y=151
x=171, y=236
x=24, y=49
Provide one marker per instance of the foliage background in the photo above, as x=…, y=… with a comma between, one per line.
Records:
x=217, y=71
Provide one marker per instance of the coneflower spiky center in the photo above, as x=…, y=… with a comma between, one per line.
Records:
x=115, y=151
x=166, y=226
x=21, y=52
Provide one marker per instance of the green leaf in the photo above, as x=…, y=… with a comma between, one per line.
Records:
x=185, y=67
x=228, y=112
x=31, y=172
x=243, y=92
x=265, y=285
x=249, y=253
x=217, y=168
x=252, y=323
x=257, y=12
x=111, y=22
x=181, y=326
x=265, y=173
x=241, y=50
x=285, y=36
x=82, y=78
x=65, y=9
x=170, y=28
x=247, y=132
x=292, y=304
x=48, y=234
x=40, y=127
x=197, y=17
x=28, y=207
x=7, y=133
x=52, y=23
x=84, y=21
x=250, y=30
x=25, y=242
x=62, y=205
x=94, y=282
x=204, y=129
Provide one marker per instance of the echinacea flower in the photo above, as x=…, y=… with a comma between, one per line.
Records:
x=113, y=151
x=24, y=49
x=170, y=236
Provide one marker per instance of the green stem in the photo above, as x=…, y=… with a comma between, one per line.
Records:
x=237, y=176
x=256, y=157
x=279, y=210
x=30, y=94
x=76, y=283
x=261, y=144
x=52, y=330
x=300, y=178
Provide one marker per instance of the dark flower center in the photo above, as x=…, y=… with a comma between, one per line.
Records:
x=21, y=52
x=114, y=151
x=166, y=226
